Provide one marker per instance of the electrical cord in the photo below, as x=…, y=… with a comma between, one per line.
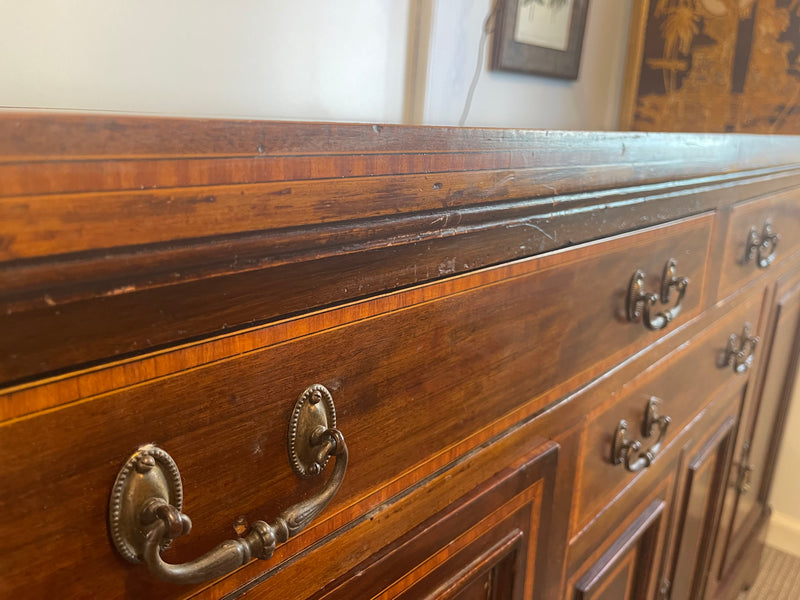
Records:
x=488, y=27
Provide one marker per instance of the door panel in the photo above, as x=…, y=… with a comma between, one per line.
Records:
x=625, y=570
x=483, y=546
x=698, y=518
x=751, y=476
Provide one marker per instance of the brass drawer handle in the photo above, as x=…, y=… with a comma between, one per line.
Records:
x=744, y=470
x=640, y=303
x=745, y=481
x=146, y=500
x=740, y=350
x=627, y=452
x=759, y=245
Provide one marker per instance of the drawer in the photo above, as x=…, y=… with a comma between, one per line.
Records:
x=678, y=386
x=572, y=302
x=417, y=377
x=749, y=244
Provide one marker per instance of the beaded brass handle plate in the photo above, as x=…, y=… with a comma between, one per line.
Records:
x=145, y=508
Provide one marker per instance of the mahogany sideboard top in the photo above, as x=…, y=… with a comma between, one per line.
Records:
x=466, y=296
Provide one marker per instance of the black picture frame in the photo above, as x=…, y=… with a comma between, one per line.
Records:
x=510, y=55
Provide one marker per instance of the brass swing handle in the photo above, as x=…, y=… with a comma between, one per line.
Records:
x=757, y=245
x=627, y=452
x=740, y=350
x=167, y=523
x=640, y=304
x=145, y=509
x=744, y=470
x=745, y=480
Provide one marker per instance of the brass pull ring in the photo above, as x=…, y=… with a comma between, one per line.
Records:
x=740, y=350
x=762, y=247
x=627, y=452
x=146, y=501
x=640, y=304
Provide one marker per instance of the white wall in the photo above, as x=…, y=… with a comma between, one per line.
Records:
x=294, y=59
x=285, y=59
x=784, y=527
x=518, y=100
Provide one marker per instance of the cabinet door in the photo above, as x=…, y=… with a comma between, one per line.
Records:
x=626, y=570
x=483, y=546
x=751, y=475
x=698, y=515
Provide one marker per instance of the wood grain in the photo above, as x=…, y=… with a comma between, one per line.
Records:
x=171, y=230
x=524, y=298
x=764, y=431
x=473, y=356
x=698, y=513
x=782, y=211
x=460, y=292
x=614, y=571
x=447, y=553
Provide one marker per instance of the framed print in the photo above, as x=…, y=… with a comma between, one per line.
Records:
x=541, y=37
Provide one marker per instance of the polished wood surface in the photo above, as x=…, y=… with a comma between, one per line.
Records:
x=698, y=511
x=771, y=403
x=452, y=312
x=487, y=543
x=144, y=231
x=780, y=208
x=626, y=569
x=483, y=357
x=462, y=293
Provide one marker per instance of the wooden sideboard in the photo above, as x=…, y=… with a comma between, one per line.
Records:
x=391, y=362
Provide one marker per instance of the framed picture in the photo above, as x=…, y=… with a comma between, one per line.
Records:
x=542, y=37
x=713, y=66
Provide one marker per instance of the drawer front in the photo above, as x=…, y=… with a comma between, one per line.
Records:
x=412, y=375
x=572, y=302
x=750, y=247
x=683, y=383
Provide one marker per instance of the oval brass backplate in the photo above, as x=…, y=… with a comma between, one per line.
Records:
x=148, y=473
x=313, y=413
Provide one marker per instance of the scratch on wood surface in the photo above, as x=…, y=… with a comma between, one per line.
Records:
x=124, y=289
x=447, y=267
x=551, y=188
x=537, y=228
